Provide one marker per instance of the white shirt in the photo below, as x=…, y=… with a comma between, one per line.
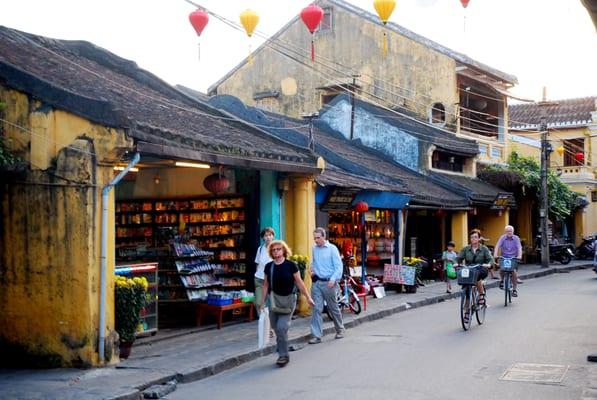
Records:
x=261, y=259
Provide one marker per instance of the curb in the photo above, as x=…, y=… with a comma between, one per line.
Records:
x=193, y=374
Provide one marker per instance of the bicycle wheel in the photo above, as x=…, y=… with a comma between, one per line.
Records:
x=507, y=289
x=480, y=310
x=465, y=307
x=354, y=302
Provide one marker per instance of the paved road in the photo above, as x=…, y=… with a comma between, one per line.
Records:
x=424, y=354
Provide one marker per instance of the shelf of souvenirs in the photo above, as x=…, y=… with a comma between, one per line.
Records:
x=166, y=218
x=372, y=230
x=229, y=228
x=180, y=205
x=182, y=294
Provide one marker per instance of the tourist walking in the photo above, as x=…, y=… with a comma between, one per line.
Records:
x=326, y=273
x=282, y=278
x=261, y=259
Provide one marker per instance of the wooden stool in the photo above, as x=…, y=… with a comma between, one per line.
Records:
x=219, y=311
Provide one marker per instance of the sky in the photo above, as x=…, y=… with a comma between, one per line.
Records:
x=550, y=43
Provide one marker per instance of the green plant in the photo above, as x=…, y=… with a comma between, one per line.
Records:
x=524, y=174
x=301, y=262
x=130, y=295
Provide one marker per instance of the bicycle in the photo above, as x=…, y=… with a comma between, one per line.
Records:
x=346, y=297
x=469, y=297
x=507, y=265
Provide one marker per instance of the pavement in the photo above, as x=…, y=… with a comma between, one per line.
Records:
x=157, y=364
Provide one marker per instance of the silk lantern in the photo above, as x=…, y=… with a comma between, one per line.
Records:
x=464, y=3
x=384, y=9
x=249, y=20
x=199, y=20
x=312, y=16
x=361, y=207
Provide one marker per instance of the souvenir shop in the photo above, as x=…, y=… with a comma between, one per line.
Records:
x=189, y=229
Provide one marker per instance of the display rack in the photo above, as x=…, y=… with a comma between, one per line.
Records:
x=149, y=313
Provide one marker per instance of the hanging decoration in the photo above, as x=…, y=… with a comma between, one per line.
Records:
x=216, y=183
x=199, y=19
x=312, y=16
x=579, y=157
x=249, y=20
x=560, y=150
x=361, y=207
x=464, y=3
x=384, y=9
x=441, y=213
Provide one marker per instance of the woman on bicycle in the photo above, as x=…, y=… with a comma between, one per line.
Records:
x=477, y=253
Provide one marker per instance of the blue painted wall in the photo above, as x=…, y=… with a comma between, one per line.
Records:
x=269, y=208
x=375, y=133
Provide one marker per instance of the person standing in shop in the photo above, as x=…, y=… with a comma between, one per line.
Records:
x=326, y=273
x=261, y=259
x=282, y=278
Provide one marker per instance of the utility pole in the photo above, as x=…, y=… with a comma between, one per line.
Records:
x=352, y=104
x=544, y=201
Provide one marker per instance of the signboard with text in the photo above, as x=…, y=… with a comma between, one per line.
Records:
x=502, y=200
x=339, y=199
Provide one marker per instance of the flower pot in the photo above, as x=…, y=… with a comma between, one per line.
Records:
x=125, y=350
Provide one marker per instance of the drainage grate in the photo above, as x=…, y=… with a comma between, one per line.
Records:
x=536, y=373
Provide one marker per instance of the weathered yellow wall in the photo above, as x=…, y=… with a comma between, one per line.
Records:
x=460, y=229
x=410, y=70
x=50, y=237
x=492, y=224
x=524, y=228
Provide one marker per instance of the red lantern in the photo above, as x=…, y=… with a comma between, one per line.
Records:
x=216, y=183
x=361, y=207
x=199, y=20
x=579, y=157
x=464, y=3
x=440, y=213
x=312, y=16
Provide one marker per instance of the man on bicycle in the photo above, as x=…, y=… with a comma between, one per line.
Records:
x=477, y=253
x=510, y=247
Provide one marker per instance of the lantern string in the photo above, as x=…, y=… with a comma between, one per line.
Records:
x=312, y=49
x=384, y=46
x=250, y=55
x=198, y=51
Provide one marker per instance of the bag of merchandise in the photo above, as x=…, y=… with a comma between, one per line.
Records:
x=450, y=271
x=263, y=329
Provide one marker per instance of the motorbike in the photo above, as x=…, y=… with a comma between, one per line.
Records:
x=586, y=250
x=563, y=253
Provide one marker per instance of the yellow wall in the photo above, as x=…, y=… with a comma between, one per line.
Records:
x=423, y=75
x=492, y=224
x=460, y=229
x=50, y=242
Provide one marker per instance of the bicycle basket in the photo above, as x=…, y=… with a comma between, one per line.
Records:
x=507, y=264
x=467, y=276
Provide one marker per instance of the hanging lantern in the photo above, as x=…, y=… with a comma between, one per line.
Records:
x=199, y=20
x=361, y=207
x=464, y=3
x=384, y=9
x=249, y=20
x=441, y=213
x=312, y=16
x=579, y=157
x=560, y=150
x=216, y=183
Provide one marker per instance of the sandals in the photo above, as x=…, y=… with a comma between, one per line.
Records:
x=514, y=293
x=502, y=285
x=282, y=361
x=466, y=318
x=481, y=300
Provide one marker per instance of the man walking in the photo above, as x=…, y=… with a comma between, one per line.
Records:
x=326, y=273
x=510, y=247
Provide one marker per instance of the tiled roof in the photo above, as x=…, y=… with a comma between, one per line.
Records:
x=91, y=82
x=561, y=114
x=480, y=192
x=349, y=158
x=408, y=122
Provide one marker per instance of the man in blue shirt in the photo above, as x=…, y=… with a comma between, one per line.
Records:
x=326, y=273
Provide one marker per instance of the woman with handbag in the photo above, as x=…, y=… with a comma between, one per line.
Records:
x=282, y=278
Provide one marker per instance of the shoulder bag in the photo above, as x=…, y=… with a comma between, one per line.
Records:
x=278, y=303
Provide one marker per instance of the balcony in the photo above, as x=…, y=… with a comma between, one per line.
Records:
x=577, y=173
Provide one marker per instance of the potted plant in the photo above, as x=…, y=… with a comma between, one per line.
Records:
x=130, y=295
x=301, y=262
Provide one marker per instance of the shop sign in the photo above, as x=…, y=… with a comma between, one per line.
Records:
x=339, y=199
x=401, y=274
x=501, y=201
x=370, y=216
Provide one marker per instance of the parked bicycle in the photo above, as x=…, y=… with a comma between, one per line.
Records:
x=469, y=296
x=507, y=265
x=346, y=297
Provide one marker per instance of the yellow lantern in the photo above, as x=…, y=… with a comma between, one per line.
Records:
x=249, y=19
x=384, y=9
x=560, y=150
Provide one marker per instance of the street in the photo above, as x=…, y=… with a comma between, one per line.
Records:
x=425, y=354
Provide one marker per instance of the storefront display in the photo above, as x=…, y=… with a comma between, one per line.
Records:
x=198, y=242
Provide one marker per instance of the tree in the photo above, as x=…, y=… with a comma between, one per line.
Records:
x=523, y=175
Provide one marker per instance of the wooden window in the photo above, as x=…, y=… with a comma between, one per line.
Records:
x=327, y=23
x=594, y=196
x=447, y=162
x=571, y=147
x=438, y=114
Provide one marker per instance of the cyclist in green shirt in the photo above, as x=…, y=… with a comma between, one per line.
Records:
x=477, y=253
